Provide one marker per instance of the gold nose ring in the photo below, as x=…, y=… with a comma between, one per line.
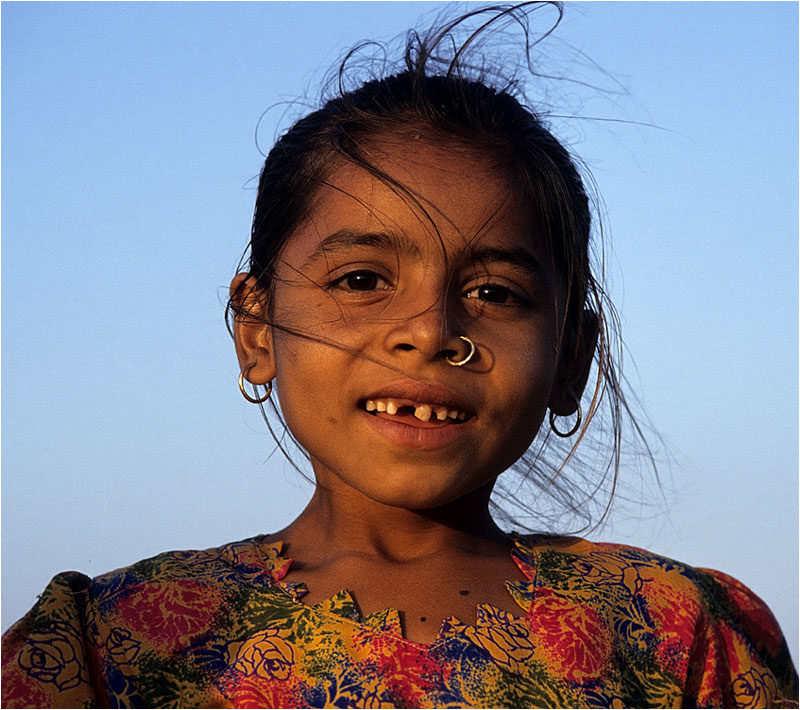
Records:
x=469, y=355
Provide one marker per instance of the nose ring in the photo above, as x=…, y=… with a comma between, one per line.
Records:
x=467, y=358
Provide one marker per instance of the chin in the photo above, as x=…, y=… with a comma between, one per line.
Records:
x=413, y=495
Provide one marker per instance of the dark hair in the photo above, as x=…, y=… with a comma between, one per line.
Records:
x=446, y=89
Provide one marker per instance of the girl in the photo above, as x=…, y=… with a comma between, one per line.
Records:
x=420, y=302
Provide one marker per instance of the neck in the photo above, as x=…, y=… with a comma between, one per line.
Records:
x=348, y=521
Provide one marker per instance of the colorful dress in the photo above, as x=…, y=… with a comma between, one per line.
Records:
x=600, y=625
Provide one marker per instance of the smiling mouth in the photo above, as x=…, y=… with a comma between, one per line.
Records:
x=391, y=408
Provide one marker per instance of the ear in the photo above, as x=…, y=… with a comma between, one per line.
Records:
x=574, y=363
x=251, y=332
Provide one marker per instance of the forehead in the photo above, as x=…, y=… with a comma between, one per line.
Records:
x=436, y=198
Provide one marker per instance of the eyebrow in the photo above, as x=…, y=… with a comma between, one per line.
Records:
x=348, y=238
x=519, y=257
x=398, y=243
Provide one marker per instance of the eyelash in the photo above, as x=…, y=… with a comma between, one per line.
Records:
x=509, y=297
x=341, y=281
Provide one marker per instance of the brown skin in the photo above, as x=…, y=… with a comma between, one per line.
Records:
x=400, y=514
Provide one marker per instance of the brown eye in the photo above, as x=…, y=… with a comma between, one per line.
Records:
x=361, y=281
x=491, y=293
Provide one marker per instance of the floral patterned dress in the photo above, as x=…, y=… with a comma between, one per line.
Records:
x=600, y=625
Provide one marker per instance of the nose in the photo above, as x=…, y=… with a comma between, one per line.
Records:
x=430, y=331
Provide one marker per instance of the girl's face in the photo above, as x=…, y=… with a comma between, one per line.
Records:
x=372, y=293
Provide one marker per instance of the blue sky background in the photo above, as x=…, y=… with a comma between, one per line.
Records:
x=128, y=158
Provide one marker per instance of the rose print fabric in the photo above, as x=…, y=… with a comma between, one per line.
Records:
x=599, y=625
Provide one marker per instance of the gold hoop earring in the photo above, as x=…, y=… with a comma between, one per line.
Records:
x=247, y=396
x=562, y=434
x=469, y=356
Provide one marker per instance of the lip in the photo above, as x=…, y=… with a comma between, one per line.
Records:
x=413, y=437
x=419, y=437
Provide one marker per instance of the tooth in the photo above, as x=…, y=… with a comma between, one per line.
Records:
x=462, y=416
x=391, y=407
x=370, y=405
x=453, y=413
x=381, y=405
x=441, y=413
x=423, y=412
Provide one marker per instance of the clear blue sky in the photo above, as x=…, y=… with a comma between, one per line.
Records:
x=128, y=158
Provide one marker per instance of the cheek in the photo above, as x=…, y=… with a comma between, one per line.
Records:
x=302, y=411
x=307, y=371
x=527, y=415
x=530, y=377
x=314, y=315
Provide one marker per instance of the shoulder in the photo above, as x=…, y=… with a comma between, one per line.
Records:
x=43, y=658
x=611, y=566
x=616, y=572
x=67, y=593
x=699, y=624
x=246, y=560
x=167, y=600
x=253, y=559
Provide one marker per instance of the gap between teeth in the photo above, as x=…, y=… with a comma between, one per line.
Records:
x=423, y=412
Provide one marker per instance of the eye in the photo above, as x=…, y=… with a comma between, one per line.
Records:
x=492, y=293
x=362, y=280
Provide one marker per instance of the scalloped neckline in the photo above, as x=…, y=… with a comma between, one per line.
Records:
x=342, y=606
